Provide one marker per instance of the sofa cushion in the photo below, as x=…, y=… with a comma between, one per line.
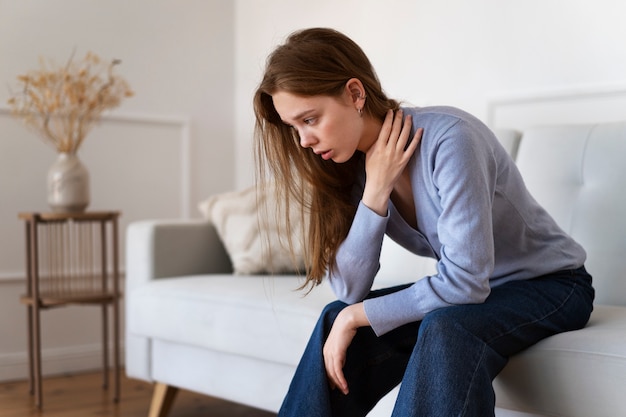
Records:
x=561, y=374
x=260, y=317
x=248, y=224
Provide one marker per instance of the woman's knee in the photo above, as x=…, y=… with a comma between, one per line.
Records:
x=448, y=324
x=455, y=339
x=331, y=311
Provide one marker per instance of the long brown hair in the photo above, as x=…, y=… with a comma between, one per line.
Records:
x=313, y=62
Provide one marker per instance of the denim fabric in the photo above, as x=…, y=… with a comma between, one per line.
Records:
x=446, y=362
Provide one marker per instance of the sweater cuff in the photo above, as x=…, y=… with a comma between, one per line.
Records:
x=370, y=226
x=393, y=310
x=371, y=213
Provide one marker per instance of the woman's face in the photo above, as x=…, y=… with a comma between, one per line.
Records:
x=330, y=126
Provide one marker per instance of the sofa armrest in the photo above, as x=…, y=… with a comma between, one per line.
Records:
x=169, y=248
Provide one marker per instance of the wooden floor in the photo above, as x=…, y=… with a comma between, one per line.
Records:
x=82, y=396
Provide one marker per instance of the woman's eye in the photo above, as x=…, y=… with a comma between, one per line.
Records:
x=309, y=121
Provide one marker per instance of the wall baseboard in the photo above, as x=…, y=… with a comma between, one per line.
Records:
x=71, y=359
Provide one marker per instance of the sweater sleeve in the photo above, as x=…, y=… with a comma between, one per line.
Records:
x=357, y=259
x=463, y=177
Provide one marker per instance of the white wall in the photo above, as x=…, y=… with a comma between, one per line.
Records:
x=457, y=52
x=158, y=154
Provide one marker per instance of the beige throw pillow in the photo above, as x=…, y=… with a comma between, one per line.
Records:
x=246, y=236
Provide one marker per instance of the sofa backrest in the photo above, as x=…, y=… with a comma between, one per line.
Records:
x=578, y=173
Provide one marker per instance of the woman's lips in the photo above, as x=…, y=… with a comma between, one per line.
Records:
x=326, y=155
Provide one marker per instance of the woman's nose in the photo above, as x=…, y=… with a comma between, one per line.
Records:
x=306, y=139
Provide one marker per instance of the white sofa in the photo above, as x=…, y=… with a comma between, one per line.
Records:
x=192, y=324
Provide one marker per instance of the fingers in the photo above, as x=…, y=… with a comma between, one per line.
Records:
x=392, y=125
x=336, y=376
x=340, y=379
x=385, y=131
x=403, y=134
x=334, y=371
x=396, y=131
x=398, y=127
x=417, y=138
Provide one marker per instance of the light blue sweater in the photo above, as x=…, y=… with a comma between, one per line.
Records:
x=474, y=215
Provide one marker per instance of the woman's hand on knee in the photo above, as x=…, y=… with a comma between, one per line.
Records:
x=341, y=335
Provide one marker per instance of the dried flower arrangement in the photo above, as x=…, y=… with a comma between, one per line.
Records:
x=62, y=103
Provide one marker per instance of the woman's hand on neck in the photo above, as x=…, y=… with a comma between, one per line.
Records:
x=386, y=158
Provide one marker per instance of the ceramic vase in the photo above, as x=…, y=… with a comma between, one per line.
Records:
x=68, y=184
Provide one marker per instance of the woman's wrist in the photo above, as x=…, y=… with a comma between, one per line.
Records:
x=354, y=316
x=378, y=202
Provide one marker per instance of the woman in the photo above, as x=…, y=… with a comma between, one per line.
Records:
x=437, y=181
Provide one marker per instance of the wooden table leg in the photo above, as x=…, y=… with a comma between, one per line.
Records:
x=37, y=354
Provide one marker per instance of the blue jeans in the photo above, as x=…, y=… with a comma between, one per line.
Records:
x=446, y=362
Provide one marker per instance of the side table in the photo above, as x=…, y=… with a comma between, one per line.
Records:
x=72, y=258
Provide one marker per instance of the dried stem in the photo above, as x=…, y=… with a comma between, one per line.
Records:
x=63, y=103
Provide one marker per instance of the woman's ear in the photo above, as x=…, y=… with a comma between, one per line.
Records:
x=356, y=91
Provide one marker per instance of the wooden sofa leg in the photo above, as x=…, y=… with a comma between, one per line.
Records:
x=162, y=400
